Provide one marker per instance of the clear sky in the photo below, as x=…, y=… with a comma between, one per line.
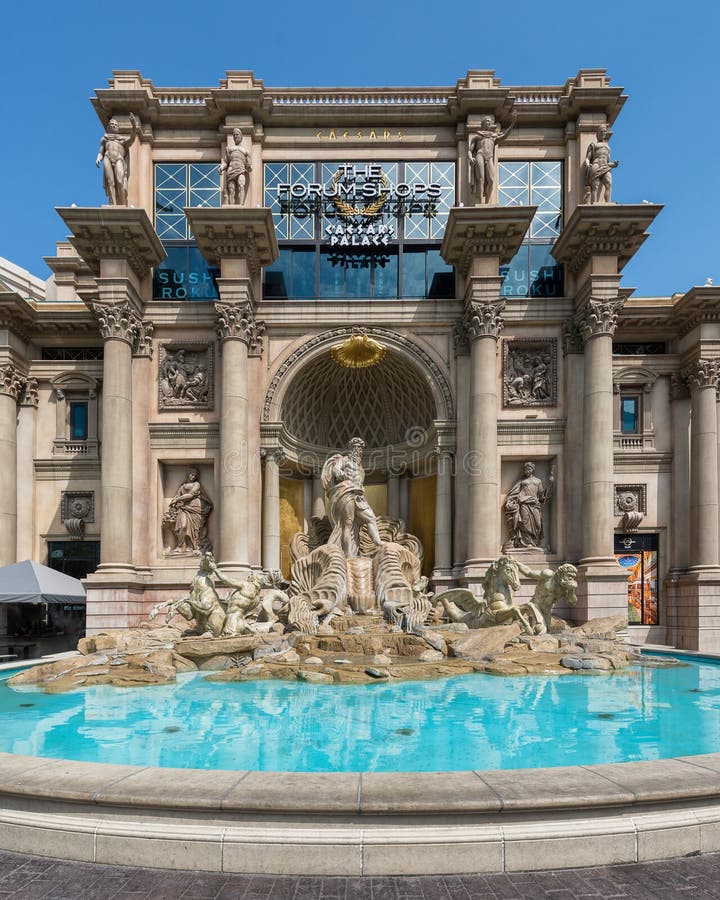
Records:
x=665, y=56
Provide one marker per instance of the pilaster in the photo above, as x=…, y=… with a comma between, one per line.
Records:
x=12, y=385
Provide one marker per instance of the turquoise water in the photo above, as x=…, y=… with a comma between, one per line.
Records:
x=467, y=722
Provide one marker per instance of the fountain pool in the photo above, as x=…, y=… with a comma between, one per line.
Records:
x=461, y=723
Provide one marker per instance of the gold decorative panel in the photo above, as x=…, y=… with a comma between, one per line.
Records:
x=377, y=498
x=422, y=517
x=291, y=518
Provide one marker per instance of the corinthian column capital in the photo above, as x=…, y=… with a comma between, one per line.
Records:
x=12, y=383
x=117, y=321
x=596, y=317
x=236, y=321
x=702, y=373
x=483, y=319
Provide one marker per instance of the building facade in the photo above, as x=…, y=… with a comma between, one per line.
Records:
x=434, y=270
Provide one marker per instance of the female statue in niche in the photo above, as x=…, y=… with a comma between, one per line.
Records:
x=524, y=508
x=186, y=518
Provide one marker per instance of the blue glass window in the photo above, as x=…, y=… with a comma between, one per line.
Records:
x=630, y=415
x=78, y=421
x=533, y=272
x=367, y=245
x=184, y=274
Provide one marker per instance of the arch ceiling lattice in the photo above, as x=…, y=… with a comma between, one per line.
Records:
x=388, y=403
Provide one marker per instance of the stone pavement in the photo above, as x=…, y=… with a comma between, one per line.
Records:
x=31, y=877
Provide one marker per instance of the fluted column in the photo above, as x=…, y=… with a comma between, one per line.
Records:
x=12, y=384
x=443, y=514
x=702, y=377
x=119, y=328
x=271, y=509
x=483, y=325
x=238, y=330
x=596, y=321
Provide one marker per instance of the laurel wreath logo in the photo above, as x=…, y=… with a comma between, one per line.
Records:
x=346, y=210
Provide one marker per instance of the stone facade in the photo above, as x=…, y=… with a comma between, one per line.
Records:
x=177, y=333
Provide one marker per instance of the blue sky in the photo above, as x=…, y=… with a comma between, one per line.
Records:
x=665, y=57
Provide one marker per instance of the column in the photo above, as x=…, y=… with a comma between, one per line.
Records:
x=483, y=325
x=240, y=240
x=702, y=377
x=12, y=384
x=26, y=429
x=119, y=328
x=405, y=499
x=143, y=382
x=393, y=494
x=237, y=329
x=443, y=516
x=478, y=240
x=271, y=509
x=596, y=321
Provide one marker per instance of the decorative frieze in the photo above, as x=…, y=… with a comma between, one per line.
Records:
x=117, y=321
x=185, y=375
x=598, y=317
x=237, y=321
x=631, y=504
x=529, y=372
x=12, y=383
x=483, y=319
x=702, y=373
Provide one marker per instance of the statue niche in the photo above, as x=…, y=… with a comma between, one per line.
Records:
x=185, y=522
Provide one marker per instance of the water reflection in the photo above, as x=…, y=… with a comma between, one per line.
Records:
x=470, y=722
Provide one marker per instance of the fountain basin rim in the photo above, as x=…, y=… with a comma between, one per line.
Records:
x=689, y=779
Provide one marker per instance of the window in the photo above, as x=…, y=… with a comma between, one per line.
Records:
x=359, y=230
x=533, y=271
x=76, y=415
x=630, y=422
x=78, y=421
x=75, y=558
x=184, y=274
x=65, y=354
x=637, y=554
x=637, y=348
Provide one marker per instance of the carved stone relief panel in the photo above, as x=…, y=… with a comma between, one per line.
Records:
x=631, y=504
x=529, y=372
x=185, y=375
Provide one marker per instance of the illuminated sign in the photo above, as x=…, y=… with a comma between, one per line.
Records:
x=358, y=193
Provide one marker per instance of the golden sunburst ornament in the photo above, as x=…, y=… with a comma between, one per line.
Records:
x=359, y=351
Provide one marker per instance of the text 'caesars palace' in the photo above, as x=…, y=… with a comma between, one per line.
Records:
x=275, y=272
